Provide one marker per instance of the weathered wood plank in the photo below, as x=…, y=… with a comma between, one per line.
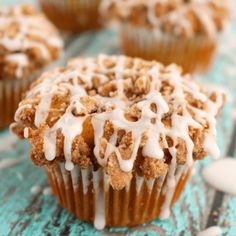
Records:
x=22, y=213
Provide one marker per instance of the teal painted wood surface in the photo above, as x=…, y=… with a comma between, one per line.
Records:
x=24, y=213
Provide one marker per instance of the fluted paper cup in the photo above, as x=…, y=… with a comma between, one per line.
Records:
x=88, y=195
x=11, y=92
x=193, y=54
x=72, y=15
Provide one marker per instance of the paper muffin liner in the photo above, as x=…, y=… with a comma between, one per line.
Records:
x=88, y=195
x=72, y=15
x=11, y=92
x=193, y=54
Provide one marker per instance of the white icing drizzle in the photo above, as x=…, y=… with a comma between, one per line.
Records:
x=85, y=180
x=139, y=183
x=99, y=217
x=21, y=60
x=75, y=177
x=71, y=125
x=178, y=16
x=175, y=104
x=174, y=174
x=221, y=175
x=211, y=231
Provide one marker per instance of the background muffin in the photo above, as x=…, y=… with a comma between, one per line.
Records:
x=72, y=15
x=119, y=131
x=184, y=32
x=28, y=41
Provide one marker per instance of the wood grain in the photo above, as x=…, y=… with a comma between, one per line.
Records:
x=23, y=213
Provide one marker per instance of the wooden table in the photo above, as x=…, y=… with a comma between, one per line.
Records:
x=25, y=213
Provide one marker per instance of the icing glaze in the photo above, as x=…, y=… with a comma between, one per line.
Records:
x=71, y=125
x=221, y=175
x=211, y=231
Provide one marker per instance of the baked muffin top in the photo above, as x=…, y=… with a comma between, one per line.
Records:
x=125, y=114
x=185, y=18
x=28, y=41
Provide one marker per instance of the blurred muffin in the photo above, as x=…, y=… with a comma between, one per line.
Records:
x=72, y=15
x=181, y=31
x=28, y=41
x=118, y=136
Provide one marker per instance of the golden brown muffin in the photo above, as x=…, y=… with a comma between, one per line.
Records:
x=28, y=42
x=180, y=31
x=118, y=136
x=73, y=15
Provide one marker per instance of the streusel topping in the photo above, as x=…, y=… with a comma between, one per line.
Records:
x=179, y=17
x=120, y=113
x=28, y=41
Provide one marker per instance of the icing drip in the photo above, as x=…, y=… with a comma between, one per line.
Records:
x=221, y=175
x=211, y=231
x=99, y=218
x=21, y=60
x=174, y=174
x=66, y=122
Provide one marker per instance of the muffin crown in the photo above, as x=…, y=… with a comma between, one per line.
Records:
x=126, y=115
x=28, y=41
x=177, y=17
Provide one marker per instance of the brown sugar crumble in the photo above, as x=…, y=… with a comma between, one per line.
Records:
x=140, y=118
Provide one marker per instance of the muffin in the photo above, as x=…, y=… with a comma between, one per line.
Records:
x=72, y=15
x=28, y=42
x=180, y=31
x=118, y=136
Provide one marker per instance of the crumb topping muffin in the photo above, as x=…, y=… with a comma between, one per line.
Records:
x=184, y=18
x=73, y=15
x=28, y=41
x=122, y=114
